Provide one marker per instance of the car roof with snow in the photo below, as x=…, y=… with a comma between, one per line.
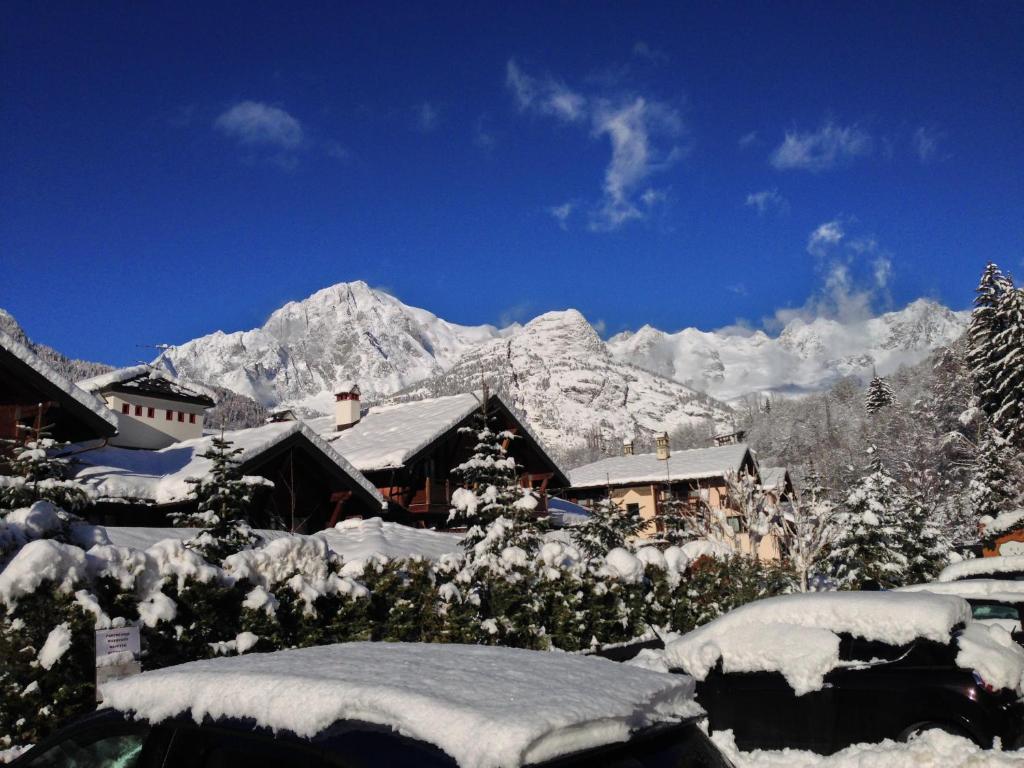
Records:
x=798, y=636
x=996, y=590
x=484, y=706
x=994, y=567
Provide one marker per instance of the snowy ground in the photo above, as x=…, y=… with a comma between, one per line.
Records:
x=933, y=749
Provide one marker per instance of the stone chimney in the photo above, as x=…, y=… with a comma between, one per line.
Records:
x=346, y=406
x=661, y=446
x=627, y=447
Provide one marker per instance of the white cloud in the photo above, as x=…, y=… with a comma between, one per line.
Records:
x=644, y=51
x=337, y=150
x=822, y=149
x=254, y=123
x=634, y=126
x=482, y=137
x=748, y=140
x=427, y=117
x=547, y=96
x=824, y=237
x=926, y=143
x=882, y=268
x=562, y=213
x=768, y=200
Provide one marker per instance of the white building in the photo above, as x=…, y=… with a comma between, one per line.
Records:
x=153, y=409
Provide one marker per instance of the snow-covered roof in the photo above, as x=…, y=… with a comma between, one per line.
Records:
x=1003, y=523
x=999, y=590
x=160, y=476
x=147, y=380
x=388, y=436
x=798, y=635
x=351, y=539
x=982, y=566
x=486, y=707
x=773, y=477
x=694, y=464
x=97, y=410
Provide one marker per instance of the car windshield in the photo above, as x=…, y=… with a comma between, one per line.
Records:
x=994, y=611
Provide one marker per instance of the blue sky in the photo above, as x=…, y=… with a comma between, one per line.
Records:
x=172, y=169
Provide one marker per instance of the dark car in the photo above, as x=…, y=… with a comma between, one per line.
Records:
x=106, y=739
x=998, y=602
x=887, y=692
x=359, y=705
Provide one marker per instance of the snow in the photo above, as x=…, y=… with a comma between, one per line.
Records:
x=698, y=548
x=982, y=566
x=773, y=478
x=361, y=540
x=796, y=635
x=39, y=561
x=999, y=590
x=1003, y=522
x=931, y=749
x=694, y=464
x=485, y=706
x=57, y=643
x=993, y=654
x=30, y=358
x=622, y=564
x=127, y=375
x=161, y=476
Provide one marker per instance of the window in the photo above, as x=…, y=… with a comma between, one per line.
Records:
x=124, y=408
x=138, y=410
x=191, y=418
x=151, y=412
x=94, y=749
x=995, y=611
x=181, y=415
x=170, y=415
x=632, y=510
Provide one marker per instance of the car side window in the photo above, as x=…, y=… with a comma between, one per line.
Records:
x=95, y=749
x=212, y=747
x=995, y=611
x=853, y=648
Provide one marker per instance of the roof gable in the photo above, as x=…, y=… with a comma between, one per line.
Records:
x=160, y=477
x=92, y=417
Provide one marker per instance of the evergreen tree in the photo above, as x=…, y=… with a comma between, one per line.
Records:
x=925, y=545
x=610, y=525
x=1008, y=369
x=993, y=487
x=489, y=493
x=223, y=499
x=873, y=531
x=879, y=396
x=988, y=325
x=31, y=470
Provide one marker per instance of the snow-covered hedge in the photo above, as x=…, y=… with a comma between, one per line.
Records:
x=60, y=580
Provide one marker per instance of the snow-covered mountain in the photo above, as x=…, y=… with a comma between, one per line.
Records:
x=563, y=378
x=306, y=348
x=804, y=357
x=556, y=368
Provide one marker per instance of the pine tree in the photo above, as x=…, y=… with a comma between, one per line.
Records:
x=32, y=469
x=610, y=525
x=1008, y=368
x=993, y=487
x=873, y=532
x=925, y=546
x=223, y=500
x=498, y=512
x=879, y=396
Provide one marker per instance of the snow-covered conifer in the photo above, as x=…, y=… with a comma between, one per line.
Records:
x=610, y=525
x=879, y=396
x=872, y=531
x=33, y=469
x=223, y=500
x=996, y=484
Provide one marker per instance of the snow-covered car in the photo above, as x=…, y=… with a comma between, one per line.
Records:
x=822, y=671
x=390, y=704
x=996, y=602
x=1004, y=567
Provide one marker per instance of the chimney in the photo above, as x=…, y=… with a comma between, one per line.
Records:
x=627, y=447
x=346, y=406
x=661, y=445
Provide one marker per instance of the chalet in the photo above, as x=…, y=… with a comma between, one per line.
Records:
x=152, y=408
x=313, y=488
x=642, y=482
x=33, y=395
x=408, y=450
x=777, y=483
